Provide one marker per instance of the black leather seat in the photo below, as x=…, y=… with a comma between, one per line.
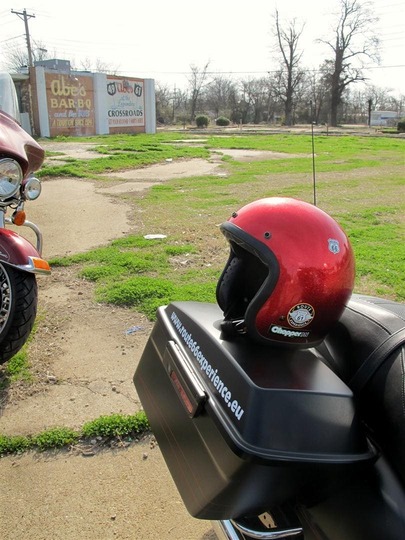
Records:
x=366, y=323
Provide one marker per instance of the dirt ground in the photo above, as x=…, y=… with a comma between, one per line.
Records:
x=84, y=356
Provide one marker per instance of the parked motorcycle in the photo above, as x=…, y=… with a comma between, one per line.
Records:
x=280, y=410
x=20, y=261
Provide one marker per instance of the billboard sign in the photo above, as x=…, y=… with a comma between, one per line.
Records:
x=70, y=101
x=125, y=99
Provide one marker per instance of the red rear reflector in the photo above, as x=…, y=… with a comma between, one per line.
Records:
x=182, y=393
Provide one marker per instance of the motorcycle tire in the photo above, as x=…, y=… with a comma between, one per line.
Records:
x=18, y=308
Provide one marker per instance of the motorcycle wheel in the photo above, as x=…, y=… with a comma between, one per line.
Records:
x=18, y=308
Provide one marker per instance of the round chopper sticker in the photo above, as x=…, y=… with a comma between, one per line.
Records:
x=300, y=315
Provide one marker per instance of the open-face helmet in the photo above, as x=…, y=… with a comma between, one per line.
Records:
x=289, y=274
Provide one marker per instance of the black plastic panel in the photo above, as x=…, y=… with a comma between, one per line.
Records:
x=239, y=424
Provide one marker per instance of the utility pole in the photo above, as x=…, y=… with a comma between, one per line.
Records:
x=370, y=106
x=24, y=16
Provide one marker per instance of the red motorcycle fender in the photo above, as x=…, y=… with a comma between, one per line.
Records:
x=16, y=251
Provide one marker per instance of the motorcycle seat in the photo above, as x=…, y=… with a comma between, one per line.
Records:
x=355, y=350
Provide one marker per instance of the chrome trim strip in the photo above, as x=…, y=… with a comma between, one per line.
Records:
x=225, y=530
x=267, y=535
x=232, y=530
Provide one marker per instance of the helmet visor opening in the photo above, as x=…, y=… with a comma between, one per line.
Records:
x=242, y=279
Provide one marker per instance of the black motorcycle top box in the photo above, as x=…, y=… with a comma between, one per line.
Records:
x=241, y=425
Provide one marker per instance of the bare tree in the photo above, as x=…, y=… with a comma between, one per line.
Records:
x=272, y=102
x=17, y=57
x=318, y=97
x=197, y=80
x=218, y=94
x=237, y=107
x=99, y=66
x=163, y=98
x=290, y=74
x=169, y=101
x=256, y=95
x=381, y=98
x=354, y=41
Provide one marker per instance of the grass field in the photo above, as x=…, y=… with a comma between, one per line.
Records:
x=359, y=180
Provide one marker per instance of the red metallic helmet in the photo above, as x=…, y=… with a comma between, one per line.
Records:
x=289, y=274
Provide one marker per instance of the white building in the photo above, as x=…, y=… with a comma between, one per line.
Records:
x=384, y=118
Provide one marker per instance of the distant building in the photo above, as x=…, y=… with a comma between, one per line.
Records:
x=63, y=66
x=384, y=118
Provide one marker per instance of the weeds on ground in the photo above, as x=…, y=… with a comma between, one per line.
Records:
x=144, y=274
x=360, y=181
x=105, y=427
x=354, y=184
x=116, y=425
x=18, y=367
x=119, y=153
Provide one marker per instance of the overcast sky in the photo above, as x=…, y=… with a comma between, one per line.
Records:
x=160, y=39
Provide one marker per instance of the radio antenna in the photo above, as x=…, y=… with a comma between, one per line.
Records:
x=313, y=154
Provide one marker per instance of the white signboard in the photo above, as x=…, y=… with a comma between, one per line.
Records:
x=125, y=102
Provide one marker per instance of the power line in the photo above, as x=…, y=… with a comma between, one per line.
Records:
x=11, y=38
